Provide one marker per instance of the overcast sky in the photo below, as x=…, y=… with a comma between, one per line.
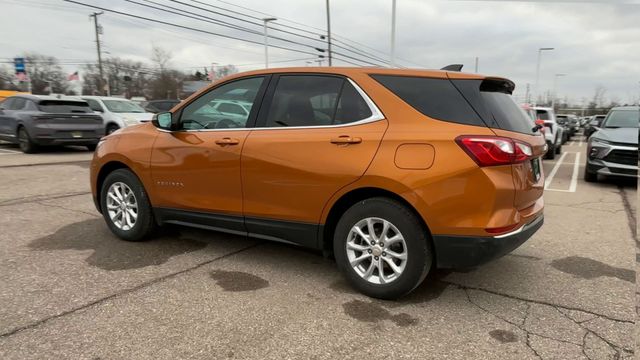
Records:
x=596, y=42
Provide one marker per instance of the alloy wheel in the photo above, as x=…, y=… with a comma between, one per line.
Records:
x=122, y=206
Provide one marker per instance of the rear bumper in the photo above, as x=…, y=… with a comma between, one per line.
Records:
x=459, y=252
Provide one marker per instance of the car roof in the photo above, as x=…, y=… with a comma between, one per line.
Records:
x=39, y=98
x=365, y=70
x=100, y=97
x=626, y=108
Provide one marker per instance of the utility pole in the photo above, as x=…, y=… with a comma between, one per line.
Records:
x=97, y=29
x=329, y=32
x=393, y=33
x=476, y=64
x=266, y=41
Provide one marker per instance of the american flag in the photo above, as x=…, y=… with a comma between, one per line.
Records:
x=73, y=76
x=21, y=76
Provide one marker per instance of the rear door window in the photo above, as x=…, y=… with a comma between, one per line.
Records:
x=94, y=105
x=18, y=104
x=543, y=115
x=315, y=100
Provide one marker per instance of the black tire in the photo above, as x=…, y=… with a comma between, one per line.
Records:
x=590, y=176
x=551, y=152
x=111, y=128
x=25, y=142
x=91, y=147
x=145, y=223
x=418, y=247
x=558, y=150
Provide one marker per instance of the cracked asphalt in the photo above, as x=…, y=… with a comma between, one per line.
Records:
x=70, y=290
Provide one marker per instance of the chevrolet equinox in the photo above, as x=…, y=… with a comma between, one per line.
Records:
x=394, y=172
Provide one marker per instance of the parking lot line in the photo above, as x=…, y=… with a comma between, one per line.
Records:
x=574, y=175
x=8, y=152
x=553, y=172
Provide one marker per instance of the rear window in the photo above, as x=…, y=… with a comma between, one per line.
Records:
x=543, y=115
x=435, y=98
x=64, y=106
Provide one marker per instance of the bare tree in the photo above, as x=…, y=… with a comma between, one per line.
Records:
x=598, y=100
x=43, y=71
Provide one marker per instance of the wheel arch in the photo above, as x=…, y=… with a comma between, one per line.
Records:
x=104, y=171
x=348, y=199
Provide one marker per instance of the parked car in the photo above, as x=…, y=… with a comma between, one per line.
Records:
x=613, y=149
x=156, y=106
x=593, y=125
x=394, y=171
x=117, y=112
x=34, y=121
x=554, y=133
x=563, y=121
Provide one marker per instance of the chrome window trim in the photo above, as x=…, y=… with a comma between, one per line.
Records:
x=376, y=115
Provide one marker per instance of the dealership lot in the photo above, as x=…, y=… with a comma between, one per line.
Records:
x=70, y=289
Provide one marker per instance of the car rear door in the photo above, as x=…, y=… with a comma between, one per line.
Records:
x=315, y=135
x=196, y=168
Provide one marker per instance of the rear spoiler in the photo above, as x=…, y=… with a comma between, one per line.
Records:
x=453, y=67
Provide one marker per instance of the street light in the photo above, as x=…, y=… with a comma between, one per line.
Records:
x=393, y=33
x=540, y=50
x=555, y=86
x=266, y=41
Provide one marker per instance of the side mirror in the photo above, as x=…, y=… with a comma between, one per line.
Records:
x=163, y=120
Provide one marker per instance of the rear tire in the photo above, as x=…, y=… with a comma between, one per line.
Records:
x=127, y=189
x=91, y=147
x=412, y=248
x=24, y=141
x=551, y=152
x=558, y=150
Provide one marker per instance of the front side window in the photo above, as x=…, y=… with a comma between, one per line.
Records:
x=18, y=104
x=205, y=112
x=315, y=100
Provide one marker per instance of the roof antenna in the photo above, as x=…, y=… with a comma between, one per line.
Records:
x=453, y=67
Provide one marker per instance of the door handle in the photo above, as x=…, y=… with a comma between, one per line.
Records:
x=346, y=139
x=227, y=141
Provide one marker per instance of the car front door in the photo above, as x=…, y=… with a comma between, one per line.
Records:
x=196, y=168
x=315, y=135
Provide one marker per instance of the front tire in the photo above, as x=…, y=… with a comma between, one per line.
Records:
x=590, y=176
x=111, y=128
x=126, y=207
x=382, y=248
x=551, y=152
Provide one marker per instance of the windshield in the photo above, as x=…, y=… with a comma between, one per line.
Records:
x=122, y=106
x=622, y=119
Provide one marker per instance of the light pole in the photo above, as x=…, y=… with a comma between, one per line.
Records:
x=555, y=87
x=393, y=33
x=213, y=71
x=266, y=41
x=540, y=50
x=329, y=34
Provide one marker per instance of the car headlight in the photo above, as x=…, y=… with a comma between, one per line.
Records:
x=598, y=141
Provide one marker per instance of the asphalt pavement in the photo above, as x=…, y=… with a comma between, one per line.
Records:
x=70, y=290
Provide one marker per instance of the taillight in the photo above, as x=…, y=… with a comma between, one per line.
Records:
x=494, y=150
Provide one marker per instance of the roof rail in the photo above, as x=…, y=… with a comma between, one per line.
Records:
x=453, y=67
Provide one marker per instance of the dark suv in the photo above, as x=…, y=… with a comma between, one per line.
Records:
x=613, y=148
x=33, y=121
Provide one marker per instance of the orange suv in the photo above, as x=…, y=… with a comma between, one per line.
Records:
x=393, y=171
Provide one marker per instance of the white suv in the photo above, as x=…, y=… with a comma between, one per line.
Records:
x=117, y=112
x=553, y=133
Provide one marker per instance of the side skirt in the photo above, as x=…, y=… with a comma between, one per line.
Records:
x=290, y=232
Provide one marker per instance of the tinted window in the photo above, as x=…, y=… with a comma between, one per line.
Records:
x=622, y=119
x=202, y=113
x=543, y=114
x=304, y=100
x=94, y=105
x=164, y=105
x=351, y=106
x=64, y=106
x=436, y=98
